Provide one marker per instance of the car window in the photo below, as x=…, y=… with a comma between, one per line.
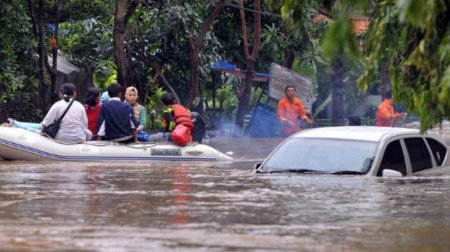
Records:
x=393, y=159
x=439, y=151
x=418, y=154
x=324, y=155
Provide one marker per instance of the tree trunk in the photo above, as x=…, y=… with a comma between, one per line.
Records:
x=384, y=76
x=159, y=75
x=195, y=73
x=244, y=100
x=244, y=95
x=53, y=70
x=338, y=92
x=289, y=61
x=38, y=28
x=121, y=17
x=118, y=41
x=195, y=44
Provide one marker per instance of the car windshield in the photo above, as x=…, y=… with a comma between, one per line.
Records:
x=322, y=155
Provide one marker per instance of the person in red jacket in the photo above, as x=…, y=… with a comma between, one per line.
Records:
x=92, y=106
x=385, y=115
x=289, y=109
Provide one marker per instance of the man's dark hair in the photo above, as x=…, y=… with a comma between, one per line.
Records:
x=114, y=90
x=354, y=121
x=388, y=94
x=92, y=96
x=289, y=86
x=167, y=99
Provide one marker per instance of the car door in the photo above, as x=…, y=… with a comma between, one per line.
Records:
x=393, y=159
x=438, y=150
x=419, y=155
x=440, y=158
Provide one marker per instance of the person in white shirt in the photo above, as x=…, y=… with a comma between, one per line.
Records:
x=74, y=125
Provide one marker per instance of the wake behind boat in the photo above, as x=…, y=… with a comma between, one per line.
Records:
x=20, y=144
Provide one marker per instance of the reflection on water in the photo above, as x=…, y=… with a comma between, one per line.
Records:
x=172, y=206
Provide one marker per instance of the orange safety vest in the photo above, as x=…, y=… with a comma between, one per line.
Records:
x=385, y=115
x=182, y=116
x=291, y=112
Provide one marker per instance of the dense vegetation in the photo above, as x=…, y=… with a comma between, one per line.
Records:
x=169, y=45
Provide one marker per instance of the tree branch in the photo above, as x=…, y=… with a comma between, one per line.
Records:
x=256, y=41
x=130, y=10
x=254, y=11
x=208, y=22
x=33, y=18
x=244, y=29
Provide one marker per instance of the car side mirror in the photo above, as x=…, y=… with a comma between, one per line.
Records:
x=388, y=173
x=256, y=166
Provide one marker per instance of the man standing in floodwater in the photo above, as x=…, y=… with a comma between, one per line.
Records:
x=289, y=109
x=385, y=115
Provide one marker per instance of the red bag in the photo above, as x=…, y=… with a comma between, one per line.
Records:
x=181, y=135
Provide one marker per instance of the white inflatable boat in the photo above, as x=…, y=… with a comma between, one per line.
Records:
x=20, y=144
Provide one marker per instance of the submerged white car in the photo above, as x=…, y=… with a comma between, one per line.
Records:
x=360, y=150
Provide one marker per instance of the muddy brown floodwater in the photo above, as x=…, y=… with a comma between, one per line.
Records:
x=174, y=206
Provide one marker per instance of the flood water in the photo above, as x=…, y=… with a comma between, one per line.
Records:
x=170, y=206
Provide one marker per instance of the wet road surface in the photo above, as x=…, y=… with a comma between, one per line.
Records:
x=170, y=206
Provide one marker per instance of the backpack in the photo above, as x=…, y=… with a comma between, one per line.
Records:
x=181, y=135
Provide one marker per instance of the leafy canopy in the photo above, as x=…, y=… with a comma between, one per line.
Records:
x=418, y=57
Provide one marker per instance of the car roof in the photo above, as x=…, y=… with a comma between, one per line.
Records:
x=362, y=133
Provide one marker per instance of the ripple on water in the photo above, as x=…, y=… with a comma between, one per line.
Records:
x=215, y=207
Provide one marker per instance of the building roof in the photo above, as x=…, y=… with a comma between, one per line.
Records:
x=64, y=66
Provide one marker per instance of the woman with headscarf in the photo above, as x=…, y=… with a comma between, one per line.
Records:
x=140, y=113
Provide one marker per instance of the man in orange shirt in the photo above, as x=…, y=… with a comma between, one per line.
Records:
x=385, y=115
x=290, y=108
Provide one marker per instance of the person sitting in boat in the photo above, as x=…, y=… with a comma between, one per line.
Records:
x=174, y=116
x=140, y=113
x=199, y=130
x=74, y=124
x=116, y=122
x=177, y=120
x=92, y=106
x=73, y=127
x=105, y=97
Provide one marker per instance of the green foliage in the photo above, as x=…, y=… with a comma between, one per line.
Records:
x=418, y=59
x=226, y=96
x=154, y=103
x=18, y=73
x=339, y=39
x=88, y=42
x=274, y=39
x=410, y=38
x=161, y=34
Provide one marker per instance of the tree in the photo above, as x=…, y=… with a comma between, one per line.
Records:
x=195, y=44
x=18, y=72
x=417, y=59
x=244, y=94
x=122, y=16
x=338, y=42
x=37, y=20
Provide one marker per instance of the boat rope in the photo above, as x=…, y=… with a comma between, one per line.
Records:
x=109, y=143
